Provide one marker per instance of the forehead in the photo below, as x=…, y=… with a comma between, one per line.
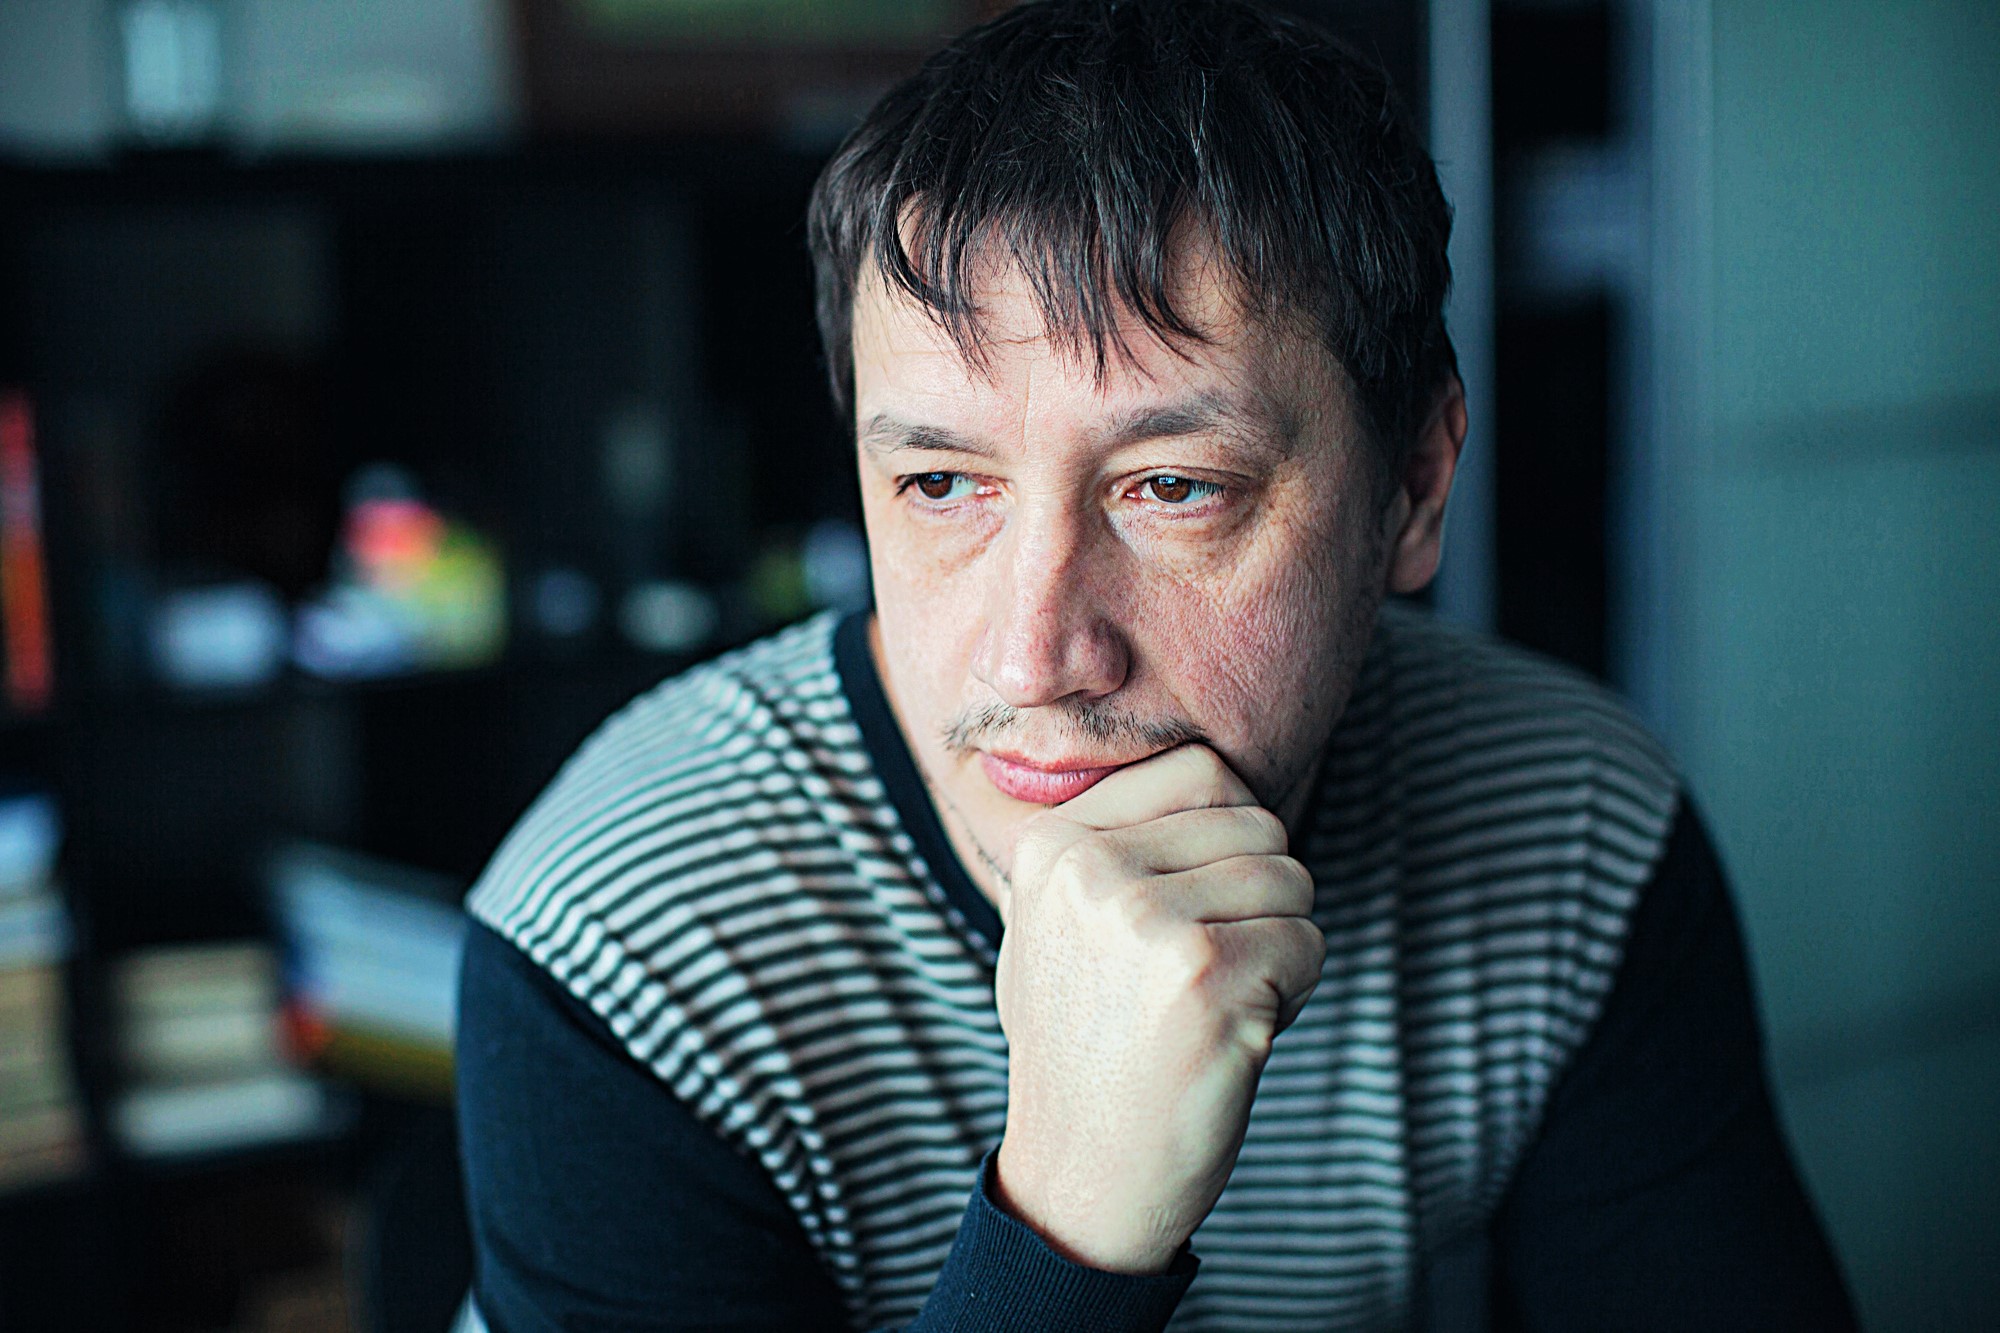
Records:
x=906, y=359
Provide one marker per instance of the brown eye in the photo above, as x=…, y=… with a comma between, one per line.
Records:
x=1178, y=492
x=935, y=485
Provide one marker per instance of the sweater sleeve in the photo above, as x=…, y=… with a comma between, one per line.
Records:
x=1660, y=1193
x=599, y=1201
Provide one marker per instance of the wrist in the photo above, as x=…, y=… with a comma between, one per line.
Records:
x=1108, y=1238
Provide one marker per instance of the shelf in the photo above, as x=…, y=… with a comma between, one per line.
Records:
x=736, y=167
x=295, y=687
x=42, y=1193
x=334, y=1132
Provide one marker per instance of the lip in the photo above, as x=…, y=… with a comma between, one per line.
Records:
x=1042, y=784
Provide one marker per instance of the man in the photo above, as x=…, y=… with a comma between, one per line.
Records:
x=1132, y=918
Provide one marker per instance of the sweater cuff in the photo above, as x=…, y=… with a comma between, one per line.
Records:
x=1001, y=1274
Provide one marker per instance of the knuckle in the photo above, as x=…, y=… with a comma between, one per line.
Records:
x=1208, y=778
x=1033, y=846
x=1263, y=827
x=1044, y=840
x=1218, y=786
x=1256, y=875
x=1191, y=959
x=1308, y=939
x=1090, y=865
x=1257, y=1035
x=1141, y=916
x=1279, y=880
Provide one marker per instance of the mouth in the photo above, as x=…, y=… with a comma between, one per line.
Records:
x=1042, y=784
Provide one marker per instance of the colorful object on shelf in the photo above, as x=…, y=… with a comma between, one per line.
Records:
x=198, y=1040
x=372, y=953
x=564, y=603
x=219, y=637
x=41, y=1121
x=30, y=833
x=834, y=560
x=413, y=589
x=667, y=616
x=796, y=574
x=24, y=597
x=776, y=584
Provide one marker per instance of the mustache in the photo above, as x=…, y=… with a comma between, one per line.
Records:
x=1098, y=723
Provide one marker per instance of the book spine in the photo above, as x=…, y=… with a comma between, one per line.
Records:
x=24, y=604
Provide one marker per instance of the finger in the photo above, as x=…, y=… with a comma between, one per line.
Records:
x=1285, y=953
x=1239, y=888
x=1187, y=777
x=1189, y=838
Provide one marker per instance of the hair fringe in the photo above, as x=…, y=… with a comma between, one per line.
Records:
x=1076, y=138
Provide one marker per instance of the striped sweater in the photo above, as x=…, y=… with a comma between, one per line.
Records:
x=741, y=877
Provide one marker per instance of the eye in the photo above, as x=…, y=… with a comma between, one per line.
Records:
x=939, y=487
x=1171, y=489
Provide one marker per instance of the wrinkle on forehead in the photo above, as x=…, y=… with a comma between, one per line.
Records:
x=1282, y=354
x=1027, y=415
x=1085, y=301
x=1204, y=293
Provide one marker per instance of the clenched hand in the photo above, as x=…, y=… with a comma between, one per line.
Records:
x=1158, y=938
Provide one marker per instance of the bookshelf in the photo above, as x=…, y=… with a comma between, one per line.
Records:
x=489, y=322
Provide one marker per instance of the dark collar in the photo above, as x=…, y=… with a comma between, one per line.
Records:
x=897, y=768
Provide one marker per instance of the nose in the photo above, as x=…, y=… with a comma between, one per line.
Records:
x=1046, y=635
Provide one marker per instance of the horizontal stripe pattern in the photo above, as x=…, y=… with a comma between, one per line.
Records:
x=720, y=875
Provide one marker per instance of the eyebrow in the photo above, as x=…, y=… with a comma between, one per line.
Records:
x=1250, y=419
x=1253, y=421
x=885, y=434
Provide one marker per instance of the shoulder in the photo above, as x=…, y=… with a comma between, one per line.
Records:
x=1509, y=812
x=675, y=799
x=1498, y=816
x=1482, y=731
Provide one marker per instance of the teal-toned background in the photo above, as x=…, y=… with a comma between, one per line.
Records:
x=1827, y=638
x=774, y=20
x=1841, y=717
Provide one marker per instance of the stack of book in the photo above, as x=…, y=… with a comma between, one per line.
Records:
x=372, y=954
x=200, y=1043
x=41, y=1124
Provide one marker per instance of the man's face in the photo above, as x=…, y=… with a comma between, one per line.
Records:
x=1073, y=572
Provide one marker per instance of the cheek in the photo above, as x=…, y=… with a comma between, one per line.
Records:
x=1251, y=653
x=1255, y=637
x=919, y=604
x=924, y=558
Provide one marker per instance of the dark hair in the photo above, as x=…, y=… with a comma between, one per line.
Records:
x=1079, y=134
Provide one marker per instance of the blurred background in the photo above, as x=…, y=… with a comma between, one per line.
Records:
x=390, y=388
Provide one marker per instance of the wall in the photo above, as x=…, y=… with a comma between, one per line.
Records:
x=1841, y=606
x=366, y=73
x=58, y=77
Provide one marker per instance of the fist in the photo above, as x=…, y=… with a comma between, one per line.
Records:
x=1158, y=939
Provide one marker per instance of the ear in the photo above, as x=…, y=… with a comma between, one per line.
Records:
x=1414, y=524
